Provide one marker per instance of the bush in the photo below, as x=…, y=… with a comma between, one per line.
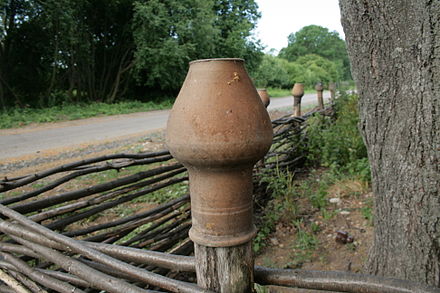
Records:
x=338, y=144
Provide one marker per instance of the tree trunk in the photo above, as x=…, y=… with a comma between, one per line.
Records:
x=394, y=49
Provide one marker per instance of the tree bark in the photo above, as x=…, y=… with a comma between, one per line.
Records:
x=225, y=269
x=394, y=49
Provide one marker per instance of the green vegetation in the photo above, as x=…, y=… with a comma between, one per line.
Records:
x=337, y=143
x=78, y=51
x=367, y=212
x=278, y=92
x=58, y=55
x=318, y=40
x=304, y=246
x=336, y=151
x=314, y=54
x=17, y=117
x=165, y=194
x=281, y=186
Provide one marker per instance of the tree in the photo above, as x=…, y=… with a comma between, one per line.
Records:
x=272, y=72
x=315, y=69
x=394, y=48
x=54, y=51
x=235, y=19
x=168, y=34
x=318, y=40
x=66, y=46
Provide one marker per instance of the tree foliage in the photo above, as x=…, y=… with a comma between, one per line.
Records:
x=308, y=69
x=53, y=51
x=272, y=72
x=318, y=40
x=314, y=54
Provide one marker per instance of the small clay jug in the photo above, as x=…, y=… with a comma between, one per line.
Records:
x=297, y=93
x=298, y=90
x=218, y=129
x=264, y=95
x=319, y=87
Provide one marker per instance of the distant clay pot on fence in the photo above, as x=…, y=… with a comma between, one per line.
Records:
x=298, y=90
x=218, y=128
x=297, y=93
x=264, y=95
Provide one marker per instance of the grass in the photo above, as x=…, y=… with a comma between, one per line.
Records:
x=305, y=245
x=367, y=212
x=293, y=198
x=18, y=117
x=281, y=186
x=279, y=92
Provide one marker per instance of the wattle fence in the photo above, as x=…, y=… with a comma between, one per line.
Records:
x=57, y=240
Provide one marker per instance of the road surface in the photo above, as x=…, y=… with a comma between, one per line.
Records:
x=36, y=139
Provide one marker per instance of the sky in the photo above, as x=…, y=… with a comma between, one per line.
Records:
x=279, y=18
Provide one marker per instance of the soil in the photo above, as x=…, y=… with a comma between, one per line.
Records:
x=345, y=216
x=330, y=254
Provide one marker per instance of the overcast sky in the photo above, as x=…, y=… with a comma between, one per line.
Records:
x=279, y=18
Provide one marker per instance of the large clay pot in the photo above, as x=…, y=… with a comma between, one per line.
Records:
x=297, y=93
x=264, y=96
x=218, y=128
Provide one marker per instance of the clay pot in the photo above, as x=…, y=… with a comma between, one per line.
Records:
x=298, y=93
x=264, y=96
x=218, y=128
x=332, y=89
x=319, y=87
x=298, y=90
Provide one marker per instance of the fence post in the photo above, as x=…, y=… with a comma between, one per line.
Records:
x=219, y=129
x=297, y=93
x=319, y=89
x=332, y=89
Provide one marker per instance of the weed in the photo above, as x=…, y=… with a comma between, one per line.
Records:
x=304, y=246
x=135, y=232
x=280, y=185
x=165, y=194
x=267, y=224
x=315, y=227
x=305, y=240
x=367, y=212
x=337, y=143
x=260, y=289
x=351, y=246
x=327, y=214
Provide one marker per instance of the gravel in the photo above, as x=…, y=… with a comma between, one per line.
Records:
x=138, y=143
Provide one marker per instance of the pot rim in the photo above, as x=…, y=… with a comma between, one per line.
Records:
x=217, y=59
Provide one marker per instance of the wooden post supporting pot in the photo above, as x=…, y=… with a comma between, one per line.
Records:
x=332, y=89
x=297, y=93
x=264, y=95
x=218, y=128
x=319, y=90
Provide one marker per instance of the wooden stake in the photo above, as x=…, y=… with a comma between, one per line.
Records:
x=225, y=269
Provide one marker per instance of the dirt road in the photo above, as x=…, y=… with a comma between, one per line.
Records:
x=35, y=140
